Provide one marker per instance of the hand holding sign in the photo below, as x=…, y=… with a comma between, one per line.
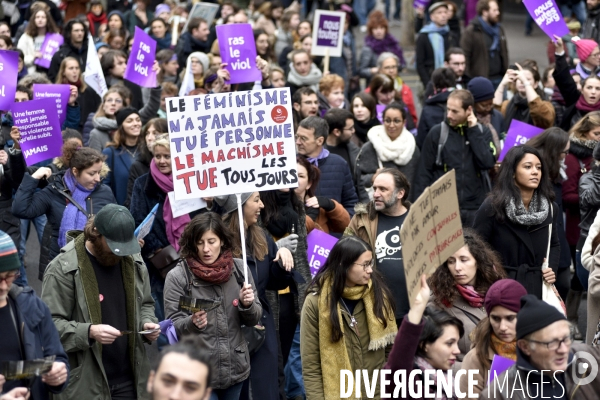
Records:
x=238, y=52
x=559, y=47
x=548, y=17
x=140, y=65
x=420, y=303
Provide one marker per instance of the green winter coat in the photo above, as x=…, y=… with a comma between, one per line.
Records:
x=64, y=291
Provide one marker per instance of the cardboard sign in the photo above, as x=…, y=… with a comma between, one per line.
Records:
x=59, y=92
x=206, y=11
x=41, y=137
x=182, y=207
x=518, y=133
x=499, y=365
x=142, y=56
x=318, y=245
x=548, y=17
x=328, y=33
x=432, y=231
x=51, y=44
x=229, y=143
x=9, y=69
x=238, y=51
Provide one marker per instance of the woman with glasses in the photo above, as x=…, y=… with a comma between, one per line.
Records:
x=390, y=145
x=553, y=144
x=515, y=219
x=383, y=90
x=460, y=284
x=347, y=320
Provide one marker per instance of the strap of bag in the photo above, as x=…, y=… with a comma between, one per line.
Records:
x=550, y=234
x=72, y=200
x=188, y=274
x=442, y=143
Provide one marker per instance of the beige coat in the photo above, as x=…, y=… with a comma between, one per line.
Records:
x=593, y=303
x=471, y=361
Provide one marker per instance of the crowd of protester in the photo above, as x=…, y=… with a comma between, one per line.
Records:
x=367, y=144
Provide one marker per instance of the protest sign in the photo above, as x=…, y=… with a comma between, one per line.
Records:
x=182, y=207
x=9, y=68
x=146, y=226
x=59, y=92
x=318, y=245
x=499, y=365
x=41, y=137
x=420, y=3
x=432, y=231
x=548, y=17
x=238, y=51
x=206, y=11
x=141, y=58
x=379, y=108
x=93, y=74
x=328, y=33
x=518, y=133
x=50, y=46
x=229, y=143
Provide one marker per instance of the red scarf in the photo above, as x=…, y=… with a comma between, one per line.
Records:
x=585, y=106
x=92, y=18
x=217, y=273
x=65, y=81
x=471, y=296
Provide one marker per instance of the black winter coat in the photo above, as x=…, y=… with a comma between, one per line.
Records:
x=139, y=167
x=522, y=249
x=425, y=56
x=468, y=153
x=68, y=50
x=30, y=204
x=336, y=182
x=434, y=112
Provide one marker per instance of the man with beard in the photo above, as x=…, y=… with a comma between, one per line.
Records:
x=484, y=43
x=195, y=39
x=378, y=223
x=98, y=291
x=482, y=90
x=341, y=130
x=182, y=372
x=75, y=45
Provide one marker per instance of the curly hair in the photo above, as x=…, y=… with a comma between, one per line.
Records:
x=489, y=270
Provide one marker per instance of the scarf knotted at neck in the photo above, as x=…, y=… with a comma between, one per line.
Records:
x=537, y=213
x=399, y=151
x=174, y=225
x=315, y=160
x=334, y=356
x=387, y=44
x=441, y=380
x=311, y=79
x=218, y=272
x=494, y=32
x=73, y=218
x=436, y=38
x=470, y=295
x=585, y=106
x=286, y=218
x=504, y=349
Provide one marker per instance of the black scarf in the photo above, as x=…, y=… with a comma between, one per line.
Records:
x=362, y=128
x=518, y=109
x=281, y=223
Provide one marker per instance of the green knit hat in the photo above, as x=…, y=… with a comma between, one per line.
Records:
x=9, y=256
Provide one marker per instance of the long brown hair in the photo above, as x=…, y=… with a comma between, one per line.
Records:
x=61, y=71
x=482, y=337
x=255, y=237
x=489, y=270
x=32, y=29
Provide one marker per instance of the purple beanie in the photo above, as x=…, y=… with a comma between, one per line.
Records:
x=506, y=293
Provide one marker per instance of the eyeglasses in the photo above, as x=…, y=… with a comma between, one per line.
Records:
x=10, y=278
x=368, y=264
x=393, y=121
x=555, y=344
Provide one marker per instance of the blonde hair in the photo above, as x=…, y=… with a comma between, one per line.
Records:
x=162, y=140
x=61, y=71
x=589, y=122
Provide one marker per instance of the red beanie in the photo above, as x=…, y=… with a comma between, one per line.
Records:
x=585, y=48
x=506, y=293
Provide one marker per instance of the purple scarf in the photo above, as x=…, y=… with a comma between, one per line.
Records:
x=72, y=218
x=315, y=160
x=388, y=43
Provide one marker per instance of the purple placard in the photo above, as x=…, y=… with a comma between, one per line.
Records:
x=548, y=17
x=50, y=46
x=59, y=92
x=329, y=30
x=41, y=138
x=238, y=51
x=9, y=69
x=319, y=244
x=420, y=3
x=142, y=56
x=518, y=133
x=499, y=365
x=380, y=108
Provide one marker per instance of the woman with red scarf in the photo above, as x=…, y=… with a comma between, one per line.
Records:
x=207, y=271
x=460, y=284
x=97, y=19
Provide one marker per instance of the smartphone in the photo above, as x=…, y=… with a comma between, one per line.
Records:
x=513, y=67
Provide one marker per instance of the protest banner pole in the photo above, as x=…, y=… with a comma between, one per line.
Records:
x=326, y=62
x=242, y=235
x=175, y=23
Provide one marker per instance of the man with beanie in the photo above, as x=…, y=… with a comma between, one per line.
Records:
x=28, y=332
x=548, y=364
x=484, y=43
x=590, y=29
x=483, y=91
x=589, y=57
x=98, y=291
x=469, y=149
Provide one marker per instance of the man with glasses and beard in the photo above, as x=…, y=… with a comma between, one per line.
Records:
x=378, y=223
x=98, y=291
x=182, y=372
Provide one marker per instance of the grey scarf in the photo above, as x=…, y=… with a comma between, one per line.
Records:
x=536, y=214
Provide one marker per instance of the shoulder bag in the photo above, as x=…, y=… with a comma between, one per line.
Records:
x=254, y=335
x=165, y=260
x=549, y=293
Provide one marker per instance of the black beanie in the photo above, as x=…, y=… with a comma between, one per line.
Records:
x=535, y=314
x=481, y=88
x=123, y=113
